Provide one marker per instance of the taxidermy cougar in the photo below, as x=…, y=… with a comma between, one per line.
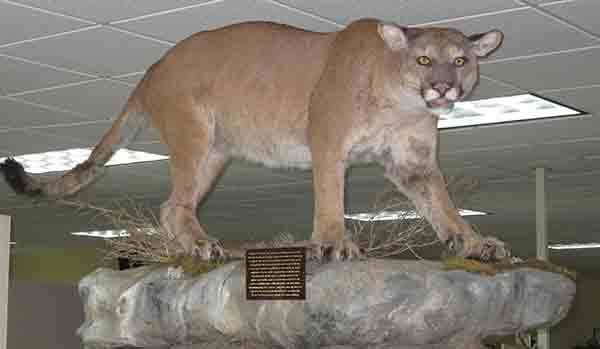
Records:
x=287, y=97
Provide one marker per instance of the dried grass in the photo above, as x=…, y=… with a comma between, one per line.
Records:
x=397, y=237
x=148, y=243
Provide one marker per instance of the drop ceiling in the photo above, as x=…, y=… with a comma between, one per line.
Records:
x=67, y=66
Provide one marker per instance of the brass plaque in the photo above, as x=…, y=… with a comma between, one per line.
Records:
x=276, y=273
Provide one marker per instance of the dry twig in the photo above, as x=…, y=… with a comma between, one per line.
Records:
x=407, y=233
x=146, y=242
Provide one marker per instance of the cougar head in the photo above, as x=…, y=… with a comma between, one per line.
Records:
x=438, y=64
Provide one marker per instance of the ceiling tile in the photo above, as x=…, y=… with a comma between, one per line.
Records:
x=89, y=134
x=11, y=199
x=109, y=10
x=449, y=160
x=19, y=76
x=132, y=78
x=101, y=99
x=28, y=142
x=582, y=12
x=565, y=152
x=19, y=23
x=543, y=2
x=362, y=172
x=480, y=173
x=17, y=115
x=526, y=32
x=241, y=174
x=101, y=51
x=148, y=135
x=516, y=135
x=176, y=26
x=573, y=167
x=488, y=89
x=585, y=99
x=564, y=157
x=403, y=12
x=549, y=72
x=563, y=182
x=155, y=147
x=558, y=148
x=263, y=198
x=92, y=132
x=159, y=169
x=120, y=182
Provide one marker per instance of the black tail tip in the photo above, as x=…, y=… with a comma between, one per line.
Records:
x=15, y=175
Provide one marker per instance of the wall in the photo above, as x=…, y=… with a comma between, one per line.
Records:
x=43, y=315
x=44, y=308
x=584, y=315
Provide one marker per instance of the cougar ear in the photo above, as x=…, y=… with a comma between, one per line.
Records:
x=394, y=36
x=486, y=43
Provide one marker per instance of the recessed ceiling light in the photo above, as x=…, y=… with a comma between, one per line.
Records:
x=502, y=110
x=106, y=234
x=574, y=246
x=64, y=160
x=397, y=215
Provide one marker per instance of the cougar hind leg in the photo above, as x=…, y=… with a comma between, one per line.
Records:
x=195, y=163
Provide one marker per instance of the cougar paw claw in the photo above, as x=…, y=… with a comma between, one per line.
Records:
x=493, y=249
x=343, y=250
x=455, y=245
x=209, y=250
x=346, y=250
x=485, y=249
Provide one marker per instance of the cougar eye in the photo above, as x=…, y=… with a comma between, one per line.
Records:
x=460, y=61
x=424, y=60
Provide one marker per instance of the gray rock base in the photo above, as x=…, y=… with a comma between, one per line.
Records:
x=380, y=304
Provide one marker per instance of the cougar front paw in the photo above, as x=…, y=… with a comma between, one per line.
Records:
x=493, y=249
x=209, y=250
x=342, y=250
x=485, y=249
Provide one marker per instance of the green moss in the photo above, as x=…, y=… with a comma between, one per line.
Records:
x=490, y=269
x=192, y=266
x=457, y=263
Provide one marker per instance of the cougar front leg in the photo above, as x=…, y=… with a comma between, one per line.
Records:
x=427, y=190
x=329, y=231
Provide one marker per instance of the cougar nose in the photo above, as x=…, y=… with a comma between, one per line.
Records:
x=441, y=87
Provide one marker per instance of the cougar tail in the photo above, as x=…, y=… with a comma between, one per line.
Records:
x=123, y=130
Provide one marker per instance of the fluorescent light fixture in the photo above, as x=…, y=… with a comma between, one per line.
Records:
x=64, y=160
x=502, y=110
x=113, y=233
x=574, y=246
x=397, y=215
x=106, y=234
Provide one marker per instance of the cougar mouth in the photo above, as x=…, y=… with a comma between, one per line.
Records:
x=441, y=103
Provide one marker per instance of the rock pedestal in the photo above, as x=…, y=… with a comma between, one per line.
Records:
x=365, y=304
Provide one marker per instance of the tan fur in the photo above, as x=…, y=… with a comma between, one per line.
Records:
x=286, y=97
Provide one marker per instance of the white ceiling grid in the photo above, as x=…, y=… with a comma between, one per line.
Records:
x=67, y=66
